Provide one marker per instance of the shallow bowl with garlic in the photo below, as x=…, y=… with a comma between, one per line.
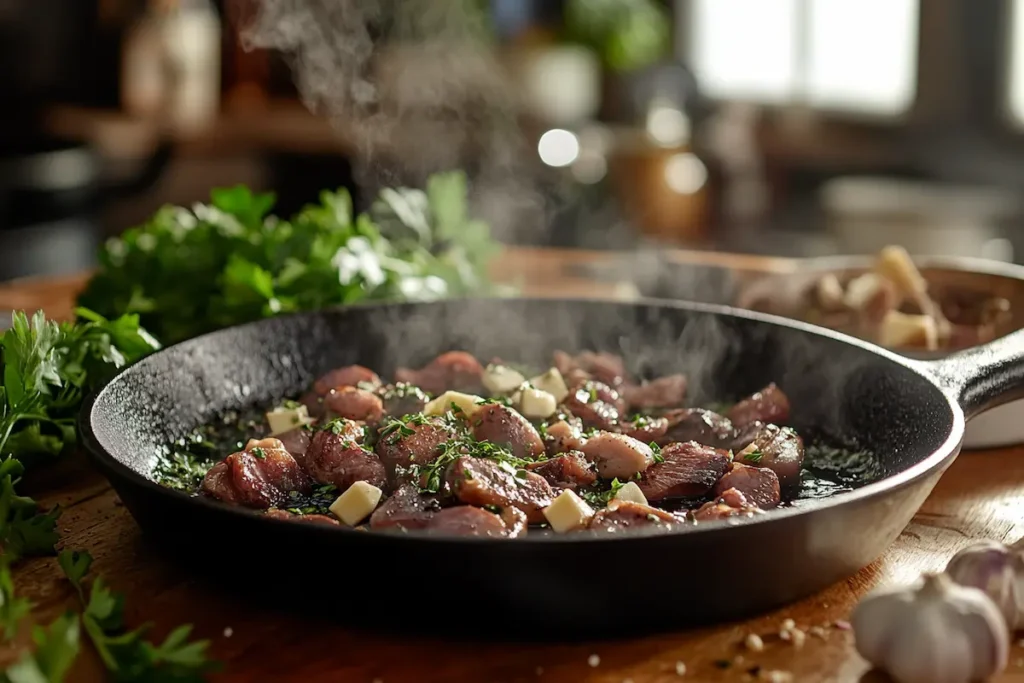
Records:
x=975, y=301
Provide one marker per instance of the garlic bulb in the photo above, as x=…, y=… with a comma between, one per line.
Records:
x=999, y=571
x=939, y=632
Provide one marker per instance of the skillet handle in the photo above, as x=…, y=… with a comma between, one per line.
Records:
x=983, y=377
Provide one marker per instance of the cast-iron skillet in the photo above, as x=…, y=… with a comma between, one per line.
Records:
x=910, y=413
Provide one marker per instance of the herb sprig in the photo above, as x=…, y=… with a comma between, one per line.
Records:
x=126, y=654
x=190, y=271
x=46, y=367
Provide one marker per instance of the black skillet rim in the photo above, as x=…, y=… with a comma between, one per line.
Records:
x=936, y=461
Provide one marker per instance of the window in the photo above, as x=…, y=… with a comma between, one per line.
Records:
x=1015, y=87
x=845, y=55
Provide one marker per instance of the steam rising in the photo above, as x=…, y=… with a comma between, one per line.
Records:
x=417, y=88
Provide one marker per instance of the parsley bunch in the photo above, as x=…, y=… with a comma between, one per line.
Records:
x=190, y=271
x=46, y=367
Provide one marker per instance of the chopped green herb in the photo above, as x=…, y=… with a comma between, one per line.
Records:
x=337, y=426
x=258, y=453
x=640, y=421
x=754, y=456
x=291, y=405
x=497, y=400
x=403, y=390
x=456, y=409
x=656, y=451
x=182, y=470
x=395, y=430
x=596, y=497
x=592, y=393
x=429, y=477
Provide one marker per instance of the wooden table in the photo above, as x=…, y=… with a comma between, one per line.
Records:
x=979, y=497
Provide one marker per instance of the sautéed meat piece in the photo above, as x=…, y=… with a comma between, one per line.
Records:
x=436, y=452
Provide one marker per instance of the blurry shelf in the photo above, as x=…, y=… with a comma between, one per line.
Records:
x=283, y=125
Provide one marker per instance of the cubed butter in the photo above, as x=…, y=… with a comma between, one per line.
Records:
x=283, y=419
x=568, y=512
x=901, y=330
x=551, y=382
x=467, y=403
x=534, y=403
x=501, y=379
x=631, y=493
x=356, y=503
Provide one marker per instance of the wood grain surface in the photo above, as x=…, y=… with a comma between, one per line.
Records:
x=979, y=497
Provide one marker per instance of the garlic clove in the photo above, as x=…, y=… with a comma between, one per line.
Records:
x=996, y=569
x=937, y=632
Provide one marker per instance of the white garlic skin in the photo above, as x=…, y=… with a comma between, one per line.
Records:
x=996, y=569
x=937, y=632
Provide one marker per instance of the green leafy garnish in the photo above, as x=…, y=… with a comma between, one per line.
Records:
x=12, y=608
x=753, y=456
x=190, y=271
x=496, y=400
x=182, y=470
x=430, y=476
x=24, y=530
x=596, y=497
x=47, y=367
x=395, y=430
x=656, y=451
x=56, y=649
x=126, y=654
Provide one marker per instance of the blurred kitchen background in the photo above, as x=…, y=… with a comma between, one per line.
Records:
x=790, y=127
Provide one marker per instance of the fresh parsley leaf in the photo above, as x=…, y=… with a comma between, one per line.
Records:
x=47, y=367
x=33, y=535
x=23, y=529
x=126, y=654
x=31, y=359
x=12, y=608
x=57, y=647
x=240, y=202
x=75, y=565
x=656, y=451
